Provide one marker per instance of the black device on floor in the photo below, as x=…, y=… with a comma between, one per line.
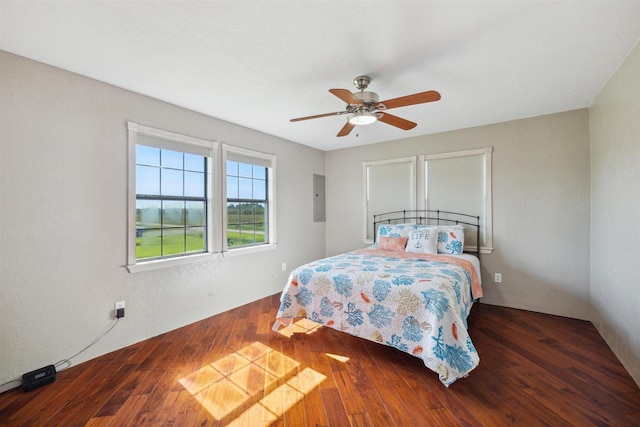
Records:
x=39, y=377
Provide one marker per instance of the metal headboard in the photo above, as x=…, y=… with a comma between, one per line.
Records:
x=429, y=217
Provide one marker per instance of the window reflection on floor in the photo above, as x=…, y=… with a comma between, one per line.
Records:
x=255, y=384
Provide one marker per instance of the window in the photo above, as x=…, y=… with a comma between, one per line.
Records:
x=192, y=199
x=170, y=189
x=389, y=185
x=247, y=204
x=249, y=186
x=457, y=181
x=171, y=203
x=461, y=182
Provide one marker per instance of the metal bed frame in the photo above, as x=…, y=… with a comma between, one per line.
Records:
x=429, y=217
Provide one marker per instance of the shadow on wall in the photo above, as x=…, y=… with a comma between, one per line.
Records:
x=525, y=287
x=623, y=350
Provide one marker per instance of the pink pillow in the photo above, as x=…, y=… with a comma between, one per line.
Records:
x=392, y=243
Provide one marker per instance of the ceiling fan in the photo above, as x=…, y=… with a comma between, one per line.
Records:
x=364, y=107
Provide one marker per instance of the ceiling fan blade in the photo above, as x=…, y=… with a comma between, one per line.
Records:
x=346, y=96
x=416, y=98
x=346, y=129
x=396, y=121
x=337, y=113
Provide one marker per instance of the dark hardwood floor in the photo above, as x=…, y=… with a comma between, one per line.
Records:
x=232, y=369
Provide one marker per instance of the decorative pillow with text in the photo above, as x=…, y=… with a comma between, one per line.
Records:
x=423, y=240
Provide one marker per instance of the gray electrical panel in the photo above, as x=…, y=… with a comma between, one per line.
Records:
x=319, y=199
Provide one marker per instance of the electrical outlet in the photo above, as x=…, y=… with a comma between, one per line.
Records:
x=119, y=309
x=498, y=278
x=284, y=266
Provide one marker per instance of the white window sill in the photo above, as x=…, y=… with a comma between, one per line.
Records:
x=250, y=250
x=171, y=262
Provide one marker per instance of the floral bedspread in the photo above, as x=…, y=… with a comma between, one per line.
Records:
x=417, y=303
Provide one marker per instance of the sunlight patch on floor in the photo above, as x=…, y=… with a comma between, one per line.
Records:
x=280, y=400
x=252, y=386
x=337, y=357
x=299, y=326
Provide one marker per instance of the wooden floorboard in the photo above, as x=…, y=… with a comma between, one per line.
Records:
x=232, y=369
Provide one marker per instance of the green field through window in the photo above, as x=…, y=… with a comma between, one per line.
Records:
x=171, y=196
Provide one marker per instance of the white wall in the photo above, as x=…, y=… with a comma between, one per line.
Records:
x=615, y=212
x=540, y=206
x=63, y=181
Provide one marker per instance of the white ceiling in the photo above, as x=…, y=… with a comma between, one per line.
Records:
x=260, y=63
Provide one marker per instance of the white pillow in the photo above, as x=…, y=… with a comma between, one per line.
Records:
x=423, y=240
x=451, y=239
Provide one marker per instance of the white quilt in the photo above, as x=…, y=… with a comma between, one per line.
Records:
x=417, y=303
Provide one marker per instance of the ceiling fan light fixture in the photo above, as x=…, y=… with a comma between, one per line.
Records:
x=362, y=118
x=364, y=107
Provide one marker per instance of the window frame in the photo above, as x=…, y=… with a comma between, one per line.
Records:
x=172, y=141
x=417, y=187
x=411, y=163
x=486, y=224
x=244, y=155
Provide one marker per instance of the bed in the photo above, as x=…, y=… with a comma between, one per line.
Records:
x=412, y=289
